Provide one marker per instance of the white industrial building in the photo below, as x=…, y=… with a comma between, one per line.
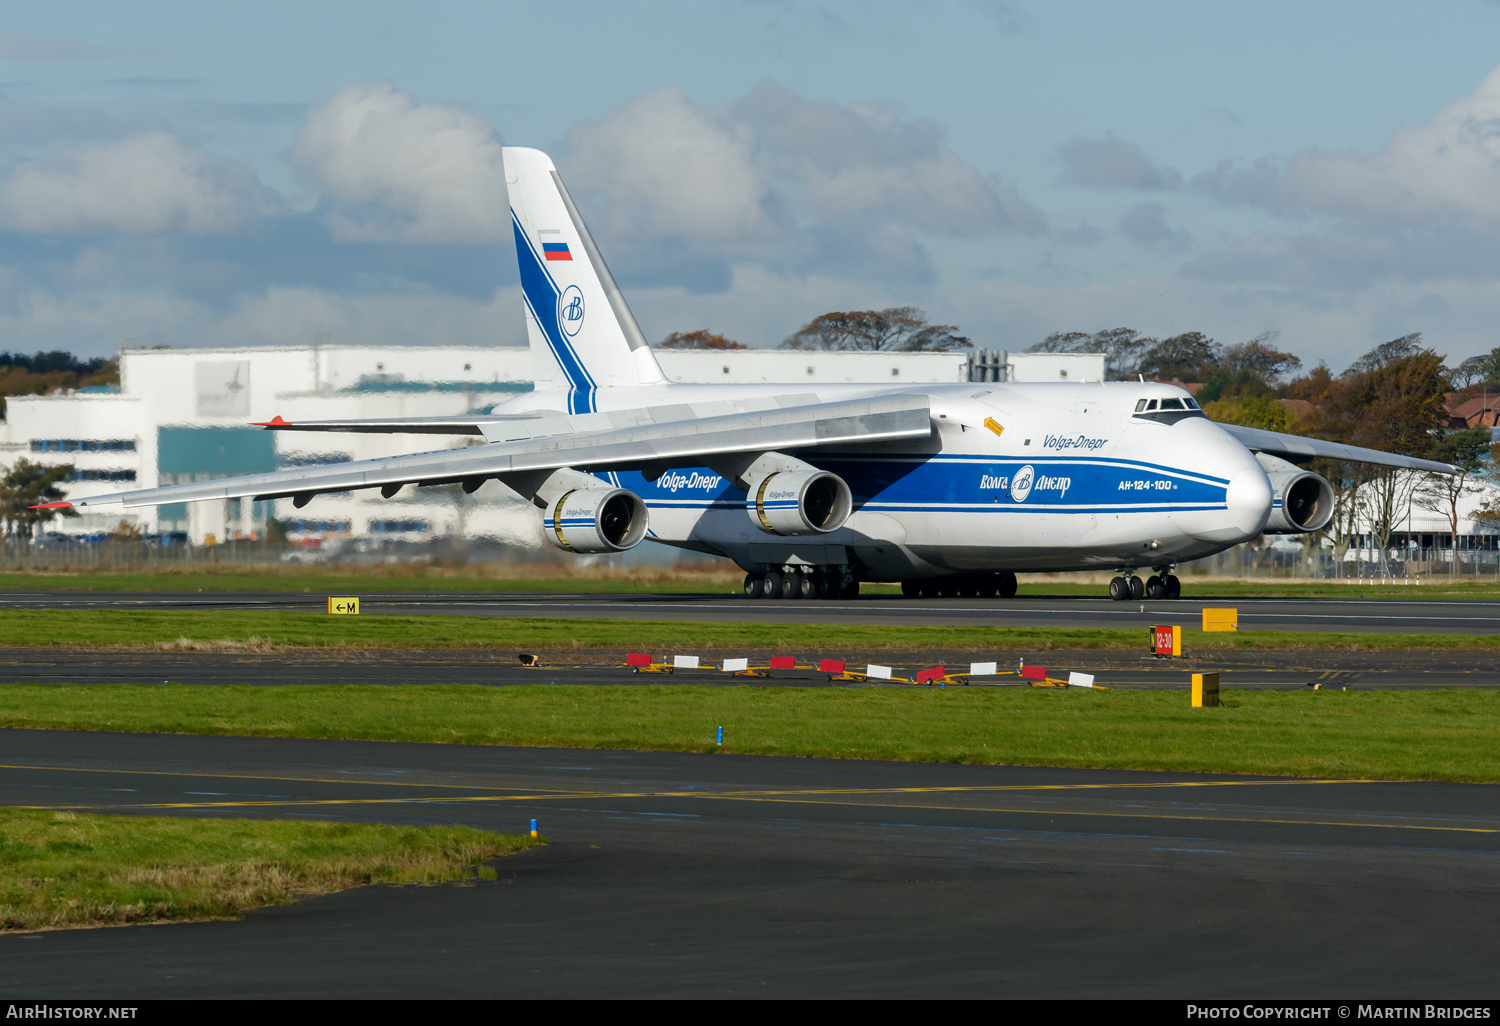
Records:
x=183, y=415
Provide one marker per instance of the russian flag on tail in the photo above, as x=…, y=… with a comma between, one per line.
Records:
x=556, y=251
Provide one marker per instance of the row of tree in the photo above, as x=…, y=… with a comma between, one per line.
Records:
x=899, y=329
x=40, y=373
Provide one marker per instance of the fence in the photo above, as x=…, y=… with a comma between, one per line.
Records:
x=1357, y=565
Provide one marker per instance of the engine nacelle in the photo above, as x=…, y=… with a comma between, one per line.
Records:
x=799, y=502
x=596, y=520
x=1301, y=502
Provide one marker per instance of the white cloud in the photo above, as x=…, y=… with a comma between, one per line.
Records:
x=1146, y=225
x=398, y=169
x=776, y=178
x=148, y=184
x=670, y=167
x=1446, y=172
x=1111, y=163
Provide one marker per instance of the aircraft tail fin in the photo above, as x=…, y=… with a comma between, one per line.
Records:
x=583, y=336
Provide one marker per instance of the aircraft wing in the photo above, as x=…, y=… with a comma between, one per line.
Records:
x=468, y=425
x=780, y=429
x=1299, y=450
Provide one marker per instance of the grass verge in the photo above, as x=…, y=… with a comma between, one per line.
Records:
x=1433, y=735
x=63, y=869
x=545, y=577
x=269, y=630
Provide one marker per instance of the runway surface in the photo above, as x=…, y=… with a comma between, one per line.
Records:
x=1284, y=669
x=707, y=875
x=1388, y=614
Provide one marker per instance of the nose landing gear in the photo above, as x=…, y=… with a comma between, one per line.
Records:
x=1162, y=585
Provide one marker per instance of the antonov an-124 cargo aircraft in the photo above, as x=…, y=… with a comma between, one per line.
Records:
x=949, y=489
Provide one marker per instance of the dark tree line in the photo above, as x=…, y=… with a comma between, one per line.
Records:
x=40, y=373
x=899, y=329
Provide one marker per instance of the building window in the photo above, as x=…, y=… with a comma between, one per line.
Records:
x=83, y=445
x=102, y=475
x=399, y=526
x=316, y=526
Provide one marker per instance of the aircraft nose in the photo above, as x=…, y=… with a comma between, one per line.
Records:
x=1249, y=500
x=1248, y=507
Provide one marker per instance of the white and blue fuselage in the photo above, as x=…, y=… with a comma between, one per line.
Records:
x=1015, y=477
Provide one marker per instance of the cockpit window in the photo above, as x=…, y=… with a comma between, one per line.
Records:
x=1151, y=405
x=1191, y=404
x=1140, y=406
x=1171, y=404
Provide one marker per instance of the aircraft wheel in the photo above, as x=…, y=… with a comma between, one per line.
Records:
x=948, y=589
x=827, y=585
x=771, y=586
x=1008, y=585
x=1119, y=589
x=850, y=590
x=1155, y=589
x=1173, y=585
x=969, y=588
x=1137, y=587
x=755, y=586
x=805, y=586
x=929, y=589
x=989, y=586
x=911, y=589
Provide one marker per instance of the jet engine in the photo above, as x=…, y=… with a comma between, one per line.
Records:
x=588, y=520
x=799, y=502
x=1301, y=502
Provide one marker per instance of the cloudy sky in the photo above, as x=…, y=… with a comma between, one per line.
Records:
x=256, y=173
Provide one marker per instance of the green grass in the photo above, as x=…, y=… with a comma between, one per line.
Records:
x=1431, y=735
x=271, y=629
x=552, y=578
x=395, y=577
x=60, y=869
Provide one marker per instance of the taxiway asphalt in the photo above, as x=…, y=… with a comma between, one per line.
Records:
x=1360, y=611
x=684, y=875
x=1251, y=669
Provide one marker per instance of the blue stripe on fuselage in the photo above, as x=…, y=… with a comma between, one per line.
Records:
x=977, y=484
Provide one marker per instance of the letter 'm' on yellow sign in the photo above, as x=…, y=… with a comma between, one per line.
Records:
x=345, y=606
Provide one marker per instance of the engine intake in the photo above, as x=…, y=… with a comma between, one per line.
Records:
x=588, y=520
x=1305, y=502
x=799, y=502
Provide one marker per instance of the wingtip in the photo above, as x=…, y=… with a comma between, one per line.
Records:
x=274, y=422
x=52, y=505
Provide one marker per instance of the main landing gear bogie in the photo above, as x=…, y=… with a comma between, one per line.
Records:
x=972, y=586
x=1129, y=586
x=812, y=583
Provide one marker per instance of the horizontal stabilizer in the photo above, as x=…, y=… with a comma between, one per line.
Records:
x=781, y=429
x=1299, y=450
